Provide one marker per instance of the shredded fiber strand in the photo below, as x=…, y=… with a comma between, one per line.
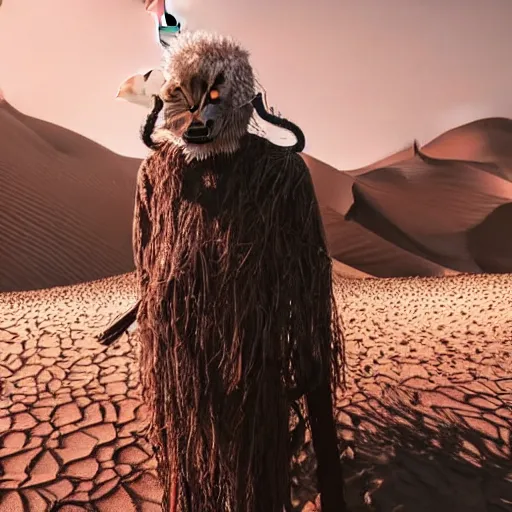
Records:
x=237, y=313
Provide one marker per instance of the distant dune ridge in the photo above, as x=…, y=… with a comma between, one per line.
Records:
x=66, y=206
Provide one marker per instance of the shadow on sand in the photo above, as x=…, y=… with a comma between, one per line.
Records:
x=400, y=457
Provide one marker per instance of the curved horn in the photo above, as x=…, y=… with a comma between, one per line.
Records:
x=259, y=106
x=148, y=127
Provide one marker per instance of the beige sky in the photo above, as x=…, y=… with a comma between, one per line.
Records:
x=362, y=78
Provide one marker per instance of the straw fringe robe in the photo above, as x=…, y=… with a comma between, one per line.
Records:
x=236, y=312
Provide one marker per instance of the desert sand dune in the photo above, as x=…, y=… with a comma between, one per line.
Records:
x=66, y=206
x=425, y=419
x=340, y=271
x=453, y=204
x=427, y=206
x=352, y=243
x=485, y=140
x=418, y=215
x=490, y=248
x=368, y=252
x=388, y=161
x=362, y=251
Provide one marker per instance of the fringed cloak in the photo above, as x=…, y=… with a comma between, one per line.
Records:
x=236, y=311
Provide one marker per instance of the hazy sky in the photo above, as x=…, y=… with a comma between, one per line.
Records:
x=362, y=78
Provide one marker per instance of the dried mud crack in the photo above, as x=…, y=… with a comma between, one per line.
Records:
x=424, y=425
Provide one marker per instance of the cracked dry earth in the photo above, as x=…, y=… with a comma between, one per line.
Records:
x=425, y=423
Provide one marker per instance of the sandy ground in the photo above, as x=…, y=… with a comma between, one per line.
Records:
x=425, y=422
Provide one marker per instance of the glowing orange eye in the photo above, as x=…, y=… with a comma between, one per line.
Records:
x=214, y=94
